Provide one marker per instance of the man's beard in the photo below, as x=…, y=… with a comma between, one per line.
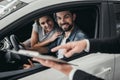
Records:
x=67, y=29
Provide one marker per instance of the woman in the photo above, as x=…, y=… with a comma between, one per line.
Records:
x=44, y=32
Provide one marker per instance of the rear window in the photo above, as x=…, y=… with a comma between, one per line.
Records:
x=9, y=6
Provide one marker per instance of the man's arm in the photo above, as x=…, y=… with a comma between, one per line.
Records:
x=81, y=75
x=72, y=47
x=67, y=70
x=108, y=45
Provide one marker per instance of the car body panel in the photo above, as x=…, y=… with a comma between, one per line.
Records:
x=28, y=1
x=117, y=67
x=97, y=63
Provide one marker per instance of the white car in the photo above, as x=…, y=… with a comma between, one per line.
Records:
x=97, y=18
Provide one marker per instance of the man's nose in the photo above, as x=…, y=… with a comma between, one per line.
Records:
x=62, y=21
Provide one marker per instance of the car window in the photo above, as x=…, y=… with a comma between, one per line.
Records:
x=9, y=6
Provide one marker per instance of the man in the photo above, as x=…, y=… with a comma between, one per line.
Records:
x=71, y=32
x=111, y=45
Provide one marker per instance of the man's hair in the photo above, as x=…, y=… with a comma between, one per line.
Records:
x=54, y=14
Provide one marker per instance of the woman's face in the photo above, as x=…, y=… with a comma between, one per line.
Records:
x=46, y=23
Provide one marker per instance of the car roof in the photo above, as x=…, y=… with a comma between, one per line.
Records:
x=32, y=6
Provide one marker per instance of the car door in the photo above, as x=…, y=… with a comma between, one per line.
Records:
x=115, y=6
x=93, y=19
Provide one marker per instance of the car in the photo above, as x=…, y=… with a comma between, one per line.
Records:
x=97, y=18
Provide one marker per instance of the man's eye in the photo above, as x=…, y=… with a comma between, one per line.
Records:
x=58, y=18
x=67, y=16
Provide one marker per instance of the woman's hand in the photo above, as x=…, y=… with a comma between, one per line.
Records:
x=55, y=36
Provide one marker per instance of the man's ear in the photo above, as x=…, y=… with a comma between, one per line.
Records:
x=74, y=17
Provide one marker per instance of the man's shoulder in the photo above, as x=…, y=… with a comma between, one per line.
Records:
x=80, y=34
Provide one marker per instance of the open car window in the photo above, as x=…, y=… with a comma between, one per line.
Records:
x=86, y=21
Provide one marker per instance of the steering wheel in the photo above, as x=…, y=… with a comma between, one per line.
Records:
x=16, y=58
x=15, y=42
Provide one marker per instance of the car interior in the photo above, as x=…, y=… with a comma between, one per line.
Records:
x=87, y=21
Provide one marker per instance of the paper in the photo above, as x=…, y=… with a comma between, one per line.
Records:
x=38, y=55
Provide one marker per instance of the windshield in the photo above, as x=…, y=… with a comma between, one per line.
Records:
x=9, y=6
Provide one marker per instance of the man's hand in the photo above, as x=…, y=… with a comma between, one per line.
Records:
x=71, y=47
x=27, y=66
x=64, y=68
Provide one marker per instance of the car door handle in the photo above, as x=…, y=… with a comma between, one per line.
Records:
x=104, y=71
